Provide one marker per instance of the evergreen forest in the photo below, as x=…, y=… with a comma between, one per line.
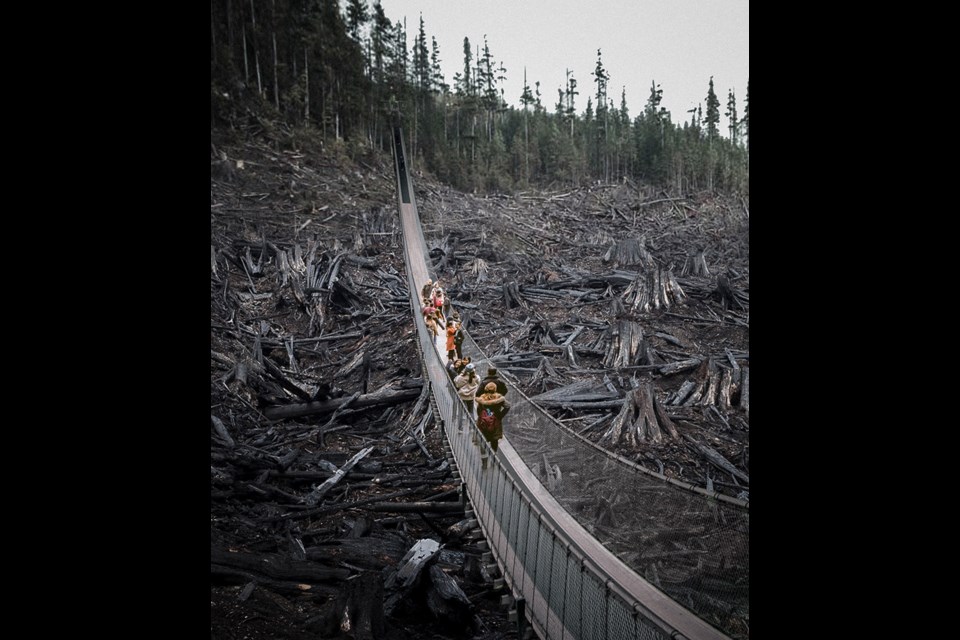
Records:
x=342, y=72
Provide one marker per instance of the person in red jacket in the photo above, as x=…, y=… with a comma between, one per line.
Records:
x=451, y=339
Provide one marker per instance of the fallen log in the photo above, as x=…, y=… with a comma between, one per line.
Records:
x=275, y=566
x=284, y=382
x=417, y=507
x=231, y=575
x=745, y=393
x=317, y=494
x=460, y=529
x=386, y=396
x=717, y=459
x=222, y=431
x=683, y=392
x=315, y=511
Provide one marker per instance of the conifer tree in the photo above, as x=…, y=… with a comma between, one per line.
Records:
x=713, y=113
x=526, y=99
x=569, y=111
x=601, y=134
x=436, y=73
x=746, y=115
x=421, y=61
x=731, y=114
x=357, y=16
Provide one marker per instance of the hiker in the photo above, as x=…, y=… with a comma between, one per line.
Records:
x=438, y=298
x=493, y=377
x=438, y=318
x=430, y=311
x=427, y=292
x=430, y=319
x=467, y=384
x=446, y=304
x=491, y=407
x=452, y=366
x=458, y=338
x=451, y=340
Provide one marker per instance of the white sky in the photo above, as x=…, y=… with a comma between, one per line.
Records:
x=677, y=43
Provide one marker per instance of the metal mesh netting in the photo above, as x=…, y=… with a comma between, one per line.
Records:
x=692, y=547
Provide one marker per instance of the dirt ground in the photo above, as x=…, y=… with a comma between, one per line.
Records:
x=274, y=193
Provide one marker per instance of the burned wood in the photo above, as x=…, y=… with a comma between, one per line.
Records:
x=683, y=392
x=408, y=572
x=357, y=611
x=461, y=528
x=386, y=396
x=631, y=251
x=730, y=297
x=275, y=566
x=695, y=264
x=284, y=382
x=512, y=296
x=625, y=344
x=745, y=391
x=319, y=333
x=726, y=389
x=716, y=459
x=222, y=431
x=317, y=494
x=640, y=420
x=417, y=507
x=315, y=511
x=447, y=602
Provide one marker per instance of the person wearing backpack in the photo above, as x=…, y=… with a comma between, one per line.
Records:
x=493, y=376
x=430, y=319
x=438, y=297
x=491, y=407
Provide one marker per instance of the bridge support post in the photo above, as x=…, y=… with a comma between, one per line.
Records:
x=521, y=604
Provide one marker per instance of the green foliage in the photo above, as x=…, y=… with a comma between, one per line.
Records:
x=342, y=72
x=713, y=113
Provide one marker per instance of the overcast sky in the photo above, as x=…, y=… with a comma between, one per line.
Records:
x=677, y=43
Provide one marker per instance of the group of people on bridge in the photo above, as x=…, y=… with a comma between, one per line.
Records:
x=487, y=395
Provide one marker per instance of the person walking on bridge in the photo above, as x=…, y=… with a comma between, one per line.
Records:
x=458, y=338
x=494, y=377
x=427, y=292
x=491, y=407
x=438, y=301
x=430, y=319
x=467, y=384
x=452, y=328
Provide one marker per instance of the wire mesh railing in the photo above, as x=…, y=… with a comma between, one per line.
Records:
x=596, y=546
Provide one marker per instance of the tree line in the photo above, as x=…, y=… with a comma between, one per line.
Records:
x=344, y=70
